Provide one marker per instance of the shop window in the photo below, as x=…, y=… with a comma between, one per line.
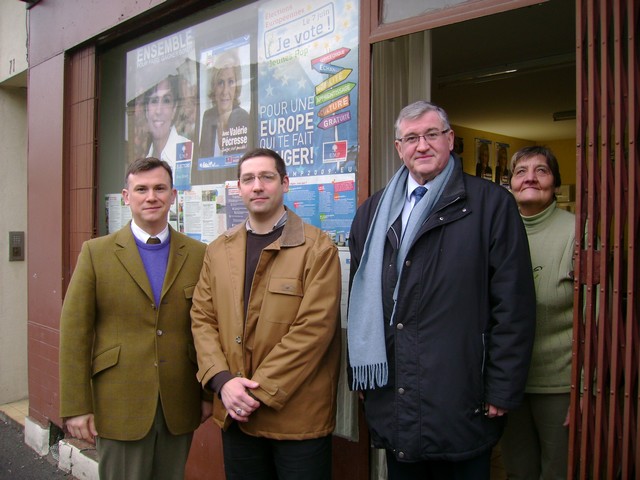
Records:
x=201, y=92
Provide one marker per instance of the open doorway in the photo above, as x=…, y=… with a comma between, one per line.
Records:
x=507, y=79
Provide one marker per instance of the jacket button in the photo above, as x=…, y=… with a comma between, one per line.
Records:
x=159, y=332
x=441, y=219
x=407, y=263
x=400, y=326
x=464, y=210
x=400, y=454
x=238, y=339
x=401, y=391
x=238, y=374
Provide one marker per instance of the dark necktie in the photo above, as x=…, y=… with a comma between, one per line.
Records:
x=419, y=192
x=153, y=241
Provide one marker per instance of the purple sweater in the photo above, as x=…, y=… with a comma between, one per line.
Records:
x=155, y=259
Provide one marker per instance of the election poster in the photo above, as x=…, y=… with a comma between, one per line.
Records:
x=308, y=91
x=162, y=102
x=225, y=92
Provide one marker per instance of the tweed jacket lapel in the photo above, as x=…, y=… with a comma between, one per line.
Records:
x=177, y=256
x=126, y=252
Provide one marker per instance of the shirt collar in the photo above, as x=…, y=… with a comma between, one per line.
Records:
x=279, y=223
x=143, y=236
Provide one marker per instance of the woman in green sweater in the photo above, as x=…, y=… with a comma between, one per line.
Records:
x=535, y=442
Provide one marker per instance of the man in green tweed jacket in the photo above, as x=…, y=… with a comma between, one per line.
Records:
x=127, y=360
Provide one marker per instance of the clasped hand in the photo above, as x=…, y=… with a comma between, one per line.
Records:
x=236, y=399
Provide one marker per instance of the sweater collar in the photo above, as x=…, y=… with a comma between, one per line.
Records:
x=533, y=221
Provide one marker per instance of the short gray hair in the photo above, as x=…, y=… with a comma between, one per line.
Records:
x=418, y=109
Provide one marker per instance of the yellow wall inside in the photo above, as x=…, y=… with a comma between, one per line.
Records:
x=564, y=150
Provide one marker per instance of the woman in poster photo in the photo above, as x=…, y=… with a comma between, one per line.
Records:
x=502, y=171
x=483, y=169
x=161, y=103
x=226, y=113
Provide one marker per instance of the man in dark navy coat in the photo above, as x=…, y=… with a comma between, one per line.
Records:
x=441, y=354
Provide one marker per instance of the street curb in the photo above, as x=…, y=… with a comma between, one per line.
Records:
x=78, y=458
x=72, y=456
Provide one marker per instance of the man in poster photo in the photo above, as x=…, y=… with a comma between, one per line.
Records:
x=266, y=326
x=442, y=308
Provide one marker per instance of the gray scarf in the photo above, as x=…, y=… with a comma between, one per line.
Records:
x=366, y=339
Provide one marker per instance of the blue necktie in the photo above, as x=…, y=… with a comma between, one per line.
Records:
x=419, y=192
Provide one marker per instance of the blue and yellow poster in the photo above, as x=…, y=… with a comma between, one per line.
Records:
x=308, y=90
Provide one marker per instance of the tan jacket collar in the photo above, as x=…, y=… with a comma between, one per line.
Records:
x=292, y=235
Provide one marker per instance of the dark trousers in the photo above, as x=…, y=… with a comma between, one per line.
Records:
x=478, y=468
x=257, y=458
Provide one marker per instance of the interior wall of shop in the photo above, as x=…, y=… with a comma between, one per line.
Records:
x=564, y=150
x=13, y=185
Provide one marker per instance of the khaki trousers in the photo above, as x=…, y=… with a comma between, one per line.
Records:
x=158, y=456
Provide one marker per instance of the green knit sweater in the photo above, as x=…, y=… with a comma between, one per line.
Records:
x=551, y=236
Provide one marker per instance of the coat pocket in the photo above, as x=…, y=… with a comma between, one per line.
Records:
x=286, y=286
x=105, y=360
x=284, y=298
x=188, y=291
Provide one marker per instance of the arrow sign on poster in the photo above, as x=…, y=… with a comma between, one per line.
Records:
x=333, y=107
x=331, y=56
x=333, y=80
x=334, y=120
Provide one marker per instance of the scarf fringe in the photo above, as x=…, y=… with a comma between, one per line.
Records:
x=368, y=377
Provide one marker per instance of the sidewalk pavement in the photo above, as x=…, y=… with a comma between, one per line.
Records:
x=68, y=459
x=19, y=461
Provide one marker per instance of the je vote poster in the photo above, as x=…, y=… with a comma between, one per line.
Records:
x=307, y=93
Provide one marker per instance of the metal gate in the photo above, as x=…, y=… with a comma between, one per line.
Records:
x=605, y=403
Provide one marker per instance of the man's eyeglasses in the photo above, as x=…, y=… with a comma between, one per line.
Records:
x=266, y=177
x=428, y=137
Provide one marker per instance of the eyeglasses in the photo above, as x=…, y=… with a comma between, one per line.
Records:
x=265, y=177
x=428, y=137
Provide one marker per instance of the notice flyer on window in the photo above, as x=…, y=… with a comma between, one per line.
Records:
x=325, y=201
x=117, y=214
x=307, y=92
x=202, y=213
x=161, y=103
